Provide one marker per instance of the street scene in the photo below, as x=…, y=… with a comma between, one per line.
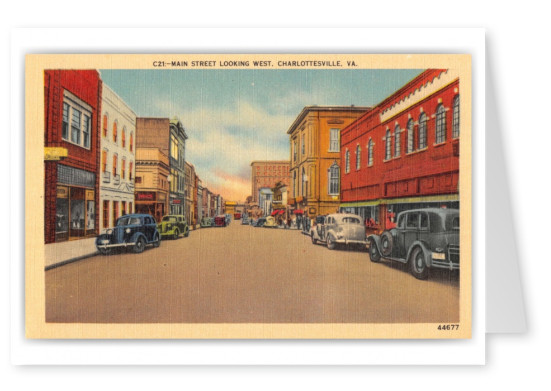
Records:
x=252, y=196
x=246, y=274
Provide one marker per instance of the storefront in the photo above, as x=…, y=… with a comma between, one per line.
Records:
x=152, y=203
x=75, y=204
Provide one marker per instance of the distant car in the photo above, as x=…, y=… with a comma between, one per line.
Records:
x=270, y=222
x=134, y=231
x=259, y=222
x=228, y=218
x=172, y=226
x=206, y=222
x=237, y=216
x=423, y=239
x=339, y=228
x=220, y=221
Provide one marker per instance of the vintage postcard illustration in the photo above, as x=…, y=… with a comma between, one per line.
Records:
x=248, y=196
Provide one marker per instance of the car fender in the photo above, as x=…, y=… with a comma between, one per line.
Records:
x=102, y=237
x=377, y=240
x=426, y=251
x=314, y=233
x=330, y=232
x=137, y=235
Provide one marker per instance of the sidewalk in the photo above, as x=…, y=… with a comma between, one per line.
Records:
x=57, y=254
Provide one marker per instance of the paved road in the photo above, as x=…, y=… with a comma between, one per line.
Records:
x=245, y=274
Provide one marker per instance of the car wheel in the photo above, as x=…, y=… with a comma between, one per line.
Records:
x=176, y=234
x=331, y=242
x=139, y=246
x=157, y=241
x=104, y=251
x=374, y=255
x=417, y=264
x=186, y=234
x=386, y=244
x=314, y=240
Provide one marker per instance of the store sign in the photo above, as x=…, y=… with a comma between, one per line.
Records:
x=175, y=202
x=145, y=196
x=55, y=153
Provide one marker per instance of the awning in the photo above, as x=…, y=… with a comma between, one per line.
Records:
x=282, y=211
x=274, y=213
x=298, y=211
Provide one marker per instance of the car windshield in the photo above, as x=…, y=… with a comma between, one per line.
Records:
x=169, y=218
x=350, y=220
x=128, y=221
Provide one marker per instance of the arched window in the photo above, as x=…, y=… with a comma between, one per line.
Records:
x=422, y=131
x=124, y=137
x=440, y=124
x=104, y=125
x=294, y=183
x=397, y=146
x=388, y=146
x=131, y=141
x=370, y=153
x=334, y=172
x=410, y=135
x=455, y=121
x=347, y=161
x=303, y=180
x=115, y=131
x=358, y=156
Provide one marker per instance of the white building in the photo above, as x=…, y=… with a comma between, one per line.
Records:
x=118, y=163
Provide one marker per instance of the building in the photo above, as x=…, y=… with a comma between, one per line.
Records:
x=314, y=139
x=230, y=207
x=169, y=136
x=152, y=185
x=72, y=110
x=404, y=153
x=117, y=145
x=198, y=199
x=264, y=176
x=189, y=192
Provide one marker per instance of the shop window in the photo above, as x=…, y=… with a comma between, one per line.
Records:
x=130, y=210
x=388, y=146
x=455, y=121
x=76, y=121
x=397, y=145
x=115, y=212
x=123, y=208
x=422, y=131
x=62, y=214
x=334, y=179
x=410, y=135
x=440, y=124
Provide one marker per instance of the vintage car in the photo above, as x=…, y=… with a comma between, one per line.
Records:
x=270, y=222
x=339, y=228
x=245, y=220
x=171, y=226
x=237, y=216
x=206, y=222
x=228, y=218
x=134, y=230
x=259, y=222
x=423, y=239
x=220, y=221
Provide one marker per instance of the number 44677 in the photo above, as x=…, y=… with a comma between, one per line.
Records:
x=448, y=327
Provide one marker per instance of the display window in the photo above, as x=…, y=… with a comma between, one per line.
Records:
x=75, y=213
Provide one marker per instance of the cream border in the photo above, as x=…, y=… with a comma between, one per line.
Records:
x=35, y=325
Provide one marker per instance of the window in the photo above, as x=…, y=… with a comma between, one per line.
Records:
x=302, y=148
x=173, y=147
x=334, y=142
x=103, y=161
x=130, y=166
x=334, y=173
x=303, y=179
x=123, y=168
x=76, y=121
x=397, y=145
x=138, y=179
x=410, y=135
x=131, y=141
x=455, y=120
x=130, y=210
x=115, y=131
x=412, y=220
x=123, y=137
x=115, y=211
x=388, y=146
x=370, y=153
x=440, y=124
x=347, y=161
x=294, y=184
x=105, y=214
x=358, y=157
x=422, y=131
x=295, y=147
x=123, y=208
x=104, y=125
x=115, y=158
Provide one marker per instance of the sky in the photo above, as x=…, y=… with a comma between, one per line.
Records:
x=233, y=117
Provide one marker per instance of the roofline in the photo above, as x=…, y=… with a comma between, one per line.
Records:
x=271, y=161
x=308, y=109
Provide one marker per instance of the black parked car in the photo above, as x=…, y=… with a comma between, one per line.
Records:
x=423, y=239
x=135, y=231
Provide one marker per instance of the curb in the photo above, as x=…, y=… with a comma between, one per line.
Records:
x=71, y=260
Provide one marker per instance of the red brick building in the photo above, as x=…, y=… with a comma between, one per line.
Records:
x=72, y=108
x=265, y=175
x=404, y=153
